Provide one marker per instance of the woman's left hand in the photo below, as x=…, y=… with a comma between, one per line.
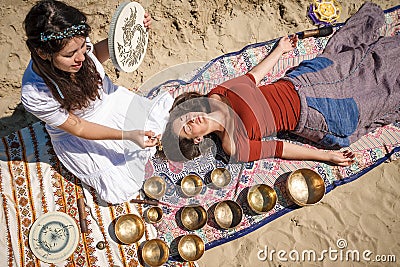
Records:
x=147, y=20
x=341, y=158
x=288, y=43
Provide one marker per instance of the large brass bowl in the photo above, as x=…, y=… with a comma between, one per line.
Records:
x=155, y=252
x=129, y=228
x=153, y=214
x=154, y=187
x=191, y=185
x=191, y=247
x=261, y=198
x=220, y=177
x=305, y=187
x=193, y=217
x=228, y=214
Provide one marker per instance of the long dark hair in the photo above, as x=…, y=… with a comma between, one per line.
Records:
x=175, y=147
x=49, y=16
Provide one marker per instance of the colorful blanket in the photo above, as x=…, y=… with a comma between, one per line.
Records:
x=33, y=182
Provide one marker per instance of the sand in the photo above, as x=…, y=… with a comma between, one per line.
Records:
x=354, y=218
x=365, y=212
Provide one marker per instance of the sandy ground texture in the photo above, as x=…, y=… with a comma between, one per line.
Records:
x=364, y=213
x=183, y=31
x=356, y=224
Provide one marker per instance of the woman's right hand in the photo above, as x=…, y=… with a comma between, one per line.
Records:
x=142, y=138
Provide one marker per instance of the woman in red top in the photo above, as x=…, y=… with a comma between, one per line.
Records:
x=240, y=114
x=331, y=99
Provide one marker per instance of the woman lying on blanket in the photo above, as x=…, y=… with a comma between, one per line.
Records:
x=333, y=99
x=65, y=86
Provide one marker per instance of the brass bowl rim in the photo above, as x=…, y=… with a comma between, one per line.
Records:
x=290, y=194
x=198, y=189
x=199, y=240
x=124, y=217
x=224, y=170
x=163, y=184
x=252, y=188
x=235, y=204
x=203, y=212
x=157, y=241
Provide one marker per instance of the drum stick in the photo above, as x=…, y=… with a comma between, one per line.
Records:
x=145, y=201
x=82, y=215
x=320, y=32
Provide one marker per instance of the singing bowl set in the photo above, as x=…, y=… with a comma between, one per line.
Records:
x=193, y=217
x=191, y=185
x=261, y=198
x=129, y=228
x=305, y=187
x=155, y=187
x=191, y=247
x=155, y=252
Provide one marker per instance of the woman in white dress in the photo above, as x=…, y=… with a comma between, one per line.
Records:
x=97, y=128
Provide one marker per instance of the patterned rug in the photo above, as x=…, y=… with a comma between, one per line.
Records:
x=33, y=182
x=372, y=149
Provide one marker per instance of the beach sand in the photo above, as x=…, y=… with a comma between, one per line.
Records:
x=365, y=213
x=360, y=218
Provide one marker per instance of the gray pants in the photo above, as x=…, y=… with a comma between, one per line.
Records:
x=353, y=87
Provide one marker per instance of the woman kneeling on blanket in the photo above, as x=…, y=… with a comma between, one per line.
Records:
x=350, y=89
x=86, y=115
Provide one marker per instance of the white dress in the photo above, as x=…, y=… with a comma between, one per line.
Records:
x=114, y=168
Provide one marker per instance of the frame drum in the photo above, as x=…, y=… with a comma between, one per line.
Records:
x=127, y=38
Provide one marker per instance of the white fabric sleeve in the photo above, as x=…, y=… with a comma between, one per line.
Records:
x=43, y=106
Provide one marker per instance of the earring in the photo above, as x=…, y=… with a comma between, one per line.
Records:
x=198, y=140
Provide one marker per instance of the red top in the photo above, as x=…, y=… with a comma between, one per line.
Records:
x=260, y=112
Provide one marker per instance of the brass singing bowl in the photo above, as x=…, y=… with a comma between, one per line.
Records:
x=155, y=252
x=191, y=185
x=261, y=198
x=154, y=214
x=305, y=187
x=129, y=228
x=191, y=247
x=154, y=187
x=220, y=177
x=228, y=214
x=193, y=217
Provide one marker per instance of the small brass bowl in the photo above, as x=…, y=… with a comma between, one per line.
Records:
x=228, y=214
x=261, y=198
x=193, y=217
x=129, y=228
x=191, y=247
x=305, y=187
x=153, y=214
x=155, y=187
x=220, y=177
x=155, y=252
x=191, y=185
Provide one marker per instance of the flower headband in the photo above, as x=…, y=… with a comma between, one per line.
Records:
x=66, y=33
